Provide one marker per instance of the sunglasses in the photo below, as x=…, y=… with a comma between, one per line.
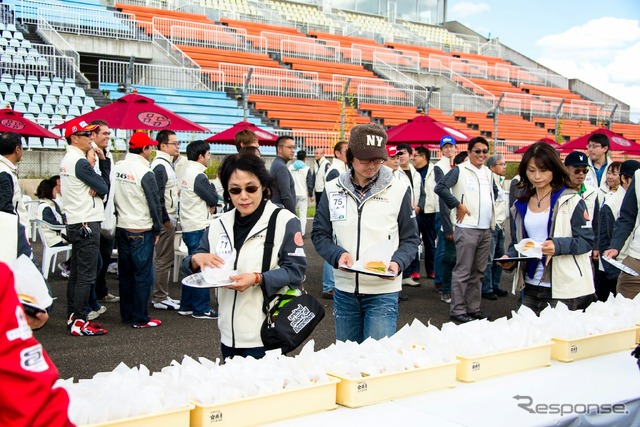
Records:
x=478, y=151
x=249, y=189
x=580, y=170
x=86, y=133
x=402, y=153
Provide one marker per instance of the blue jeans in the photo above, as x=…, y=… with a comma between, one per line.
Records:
x=360, y=316
x=135, y=274
x=328, y=284
x=437, y=262
x=493, y=273
x=194, y=299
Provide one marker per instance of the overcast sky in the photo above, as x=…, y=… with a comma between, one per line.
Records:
x=595, y=41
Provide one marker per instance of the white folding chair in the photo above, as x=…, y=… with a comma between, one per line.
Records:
x=179, y=253
x=50, y=254
x=32, y=210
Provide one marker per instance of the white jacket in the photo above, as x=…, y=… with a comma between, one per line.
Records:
x=194, y=212
x=241, y=315
x=322, y=169
x=18, y=203
x=165, y=161
x=131, y=203
x=52, y=237
x=614, y=201
x=502, y=201
x=592, y=179
x=79, y=205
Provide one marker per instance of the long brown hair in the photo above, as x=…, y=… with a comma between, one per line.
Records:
x=547, y=158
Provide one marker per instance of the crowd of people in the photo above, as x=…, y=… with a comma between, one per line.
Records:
x=375, y=204
x=372, y=198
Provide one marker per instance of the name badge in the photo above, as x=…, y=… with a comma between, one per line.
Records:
x=338, y=206
x=223, y=247
x=472, y=184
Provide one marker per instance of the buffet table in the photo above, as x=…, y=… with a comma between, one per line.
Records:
x=578, y=390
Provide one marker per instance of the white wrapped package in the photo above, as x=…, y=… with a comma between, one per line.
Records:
x=412, y=347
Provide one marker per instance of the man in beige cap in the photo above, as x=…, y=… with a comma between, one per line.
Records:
x=365, y=209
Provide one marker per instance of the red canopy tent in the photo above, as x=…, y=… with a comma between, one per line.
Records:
x=139, y=112
x=227, y=136
x=616, y=142
x=424, y=130
x=549, y=141
x=12, y=121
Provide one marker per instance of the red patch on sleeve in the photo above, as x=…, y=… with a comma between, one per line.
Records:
x=298, y=239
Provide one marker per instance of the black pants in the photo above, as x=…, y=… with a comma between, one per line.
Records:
x=427, y=228
x=106, y=249
x=85, y=251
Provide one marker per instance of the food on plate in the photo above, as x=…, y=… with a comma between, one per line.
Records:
x=528, y=245
x=376, y=267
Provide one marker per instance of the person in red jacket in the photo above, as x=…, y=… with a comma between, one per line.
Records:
x=27, y=374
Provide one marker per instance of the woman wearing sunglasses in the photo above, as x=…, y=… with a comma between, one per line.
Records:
x=551, y=212
x=247, y=187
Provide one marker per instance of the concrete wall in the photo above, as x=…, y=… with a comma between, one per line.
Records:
x=590, y=92
x=125, y=48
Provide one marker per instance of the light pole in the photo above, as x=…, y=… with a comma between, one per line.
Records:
x=342, y=110
x=558, y=111
x=245, y=93
x=493, y=114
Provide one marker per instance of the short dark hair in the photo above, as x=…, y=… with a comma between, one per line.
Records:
x=163, y=136
x=9, y=141
x=45, y=189
x=99, y=123
x=424, y=151
x=55, y=179
x=281, y=139
x=460, y=157
x=196, y=149
x=244, y=137
x=599, y=138
x=405, y=146
x=545, y=157
x=247, y=162
x=338, y=146
x=301, y=155
x=615, y=166
x=477, y=140
x=135, y=150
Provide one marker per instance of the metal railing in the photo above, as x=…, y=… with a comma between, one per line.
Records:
x=404, y=62
x=160, y=76
x=265, y=79
x=172, y=51
x=477, y=90
x=274, y=40
x=61, y=47
x=319, y=52
x=218, y=38
x=470, y=103
x=42, y=65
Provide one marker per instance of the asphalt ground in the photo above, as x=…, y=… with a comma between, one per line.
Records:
x=83, y=357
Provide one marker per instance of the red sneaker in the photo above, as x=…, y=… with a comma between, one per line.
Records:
x=81, y=327
x=415, y=277
x=152, y=323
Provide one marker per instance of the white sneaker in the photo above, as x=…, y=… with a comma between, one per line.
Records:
x=95, y=314
x=64, y=270
x=113, y=268
x=185, y=312
x=109, y=298
x=166, y=304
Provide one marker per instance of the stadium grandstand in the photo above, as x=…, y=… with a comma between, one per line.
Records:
x=310, y=69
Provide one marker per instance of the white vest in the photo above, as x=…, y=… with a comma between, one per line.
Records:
x=52, y=237
x=300, y=180
x=467, y=191
x=17, y=202
x=614, y=201
x=79, y=206
x=432, y=203
x=131, y=203
x=634, y=246
x=501, y=204
x=320, y=175
x=171, y=187
x=194, y=212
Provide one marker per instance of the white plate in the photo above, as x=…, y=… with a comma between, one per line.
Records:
x=197, y=281
x=620, y=266
x=361, y=270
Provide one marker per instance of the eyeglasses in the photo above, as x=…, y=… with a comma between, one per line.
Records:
x=86, y=133
x=249, y=189
x=594, y=146
x=478, y=151
x=580, y=170
x=371, y=162
x=402, y=153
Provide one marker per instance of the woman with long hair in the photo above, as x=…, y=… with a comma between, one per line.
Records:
x=552, y=214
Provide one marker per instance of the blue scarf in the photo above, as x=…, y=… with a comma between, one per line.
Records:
x=521, y=208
